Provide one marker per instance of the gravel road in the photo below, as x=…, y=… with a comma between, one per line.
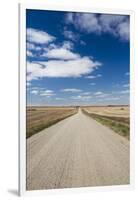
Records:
x=77, y=152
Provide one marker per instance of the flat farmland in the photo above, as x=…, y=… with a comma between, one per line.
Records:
x=115, y=117
x=77, y=152
x=115, y=111
x=39, y=118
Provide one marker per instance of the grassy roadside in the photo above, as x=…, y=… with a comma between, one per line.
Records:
x=45, y=123
x=119, y=124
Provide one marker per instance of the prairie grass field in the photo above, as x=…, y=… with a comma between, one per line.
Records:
x=115, y=117
x=39, y=118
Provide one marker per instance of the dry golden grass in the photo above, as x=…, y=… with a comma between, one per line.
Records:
x=114, y=111
x=39, y=118
x=115, y=117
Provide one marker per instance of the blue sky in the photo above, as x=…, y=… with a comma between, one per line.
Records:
x=77, y=58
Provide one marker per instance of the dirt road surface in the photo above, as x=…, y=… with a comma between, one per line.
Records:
x=77, y=152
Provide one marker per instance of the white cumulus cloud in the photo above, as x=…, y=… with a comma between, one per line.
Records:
x=61, y=53
x=60, y=60
x=117, y=25
x=85, y=22
x=61, y=68
x=38, y=37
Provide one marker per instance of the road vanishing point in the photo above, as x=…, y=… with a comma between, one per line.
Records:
x=77, y=152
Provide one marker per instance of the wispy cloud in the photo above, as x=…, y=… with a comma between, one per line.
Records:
x=101, y=94
x=35, y=92
x=33, y=49
x=68, y=45
x=86, y=93
x=70, y=35
x=32, y=46
x=81, y=98
x=47, y=93
x=71, y=90
x=98, y=93
x=124, y=92
x=93, y=76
